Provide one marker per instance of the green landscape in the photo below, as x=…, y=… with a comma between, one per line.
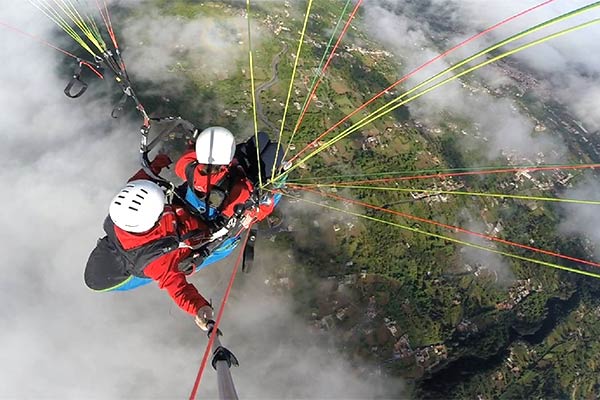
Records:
x=453, y=321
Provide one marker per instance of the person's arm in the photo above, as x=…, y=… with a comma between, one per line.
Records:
x=185, y=295
x=238, y=195
x=187, y=157
x=160, y=161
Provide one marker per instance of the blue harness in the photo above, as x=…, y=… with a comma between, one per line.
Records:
x=200, y=205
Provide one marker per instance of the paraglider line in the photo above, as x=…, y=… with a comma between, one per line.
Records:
x=55, y=17
x=316, y=77
x=460, y=193
x=321, y=74
x=74, y=16
x=449, y=239
x=382, y=111
x=445, y=226
x=289, y=94
x=303, y=180
x=215, y=329
x=250, y=60
x=415, y=71
x=468, y=173
x=111, y=31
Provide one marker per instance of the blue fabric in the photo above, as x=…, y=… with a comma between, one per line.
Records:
x=132, y=283
x=199, y=205
x=277, y=198
x=221, y=252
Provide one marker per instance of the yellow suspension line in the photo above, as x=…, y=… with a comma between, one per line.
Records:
x=96, y=30
x=476, y=246
x=289, y=95
x=386, y=108
x=252, y=90
x=377, y=115
x=55, y=17
x=304, y=180
x=452, y=192
x=316, y=78
x=67, y=14
x=73, y=14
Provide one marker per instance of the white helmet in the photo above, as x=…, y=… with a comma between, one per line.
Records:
x=137, y=207
x=215, y=145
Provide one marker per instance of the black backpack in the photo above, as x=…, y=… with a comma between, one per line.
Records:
x=109, y=264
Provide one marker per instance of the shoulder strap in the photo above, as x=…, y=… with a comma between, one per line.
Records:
x=190, y=169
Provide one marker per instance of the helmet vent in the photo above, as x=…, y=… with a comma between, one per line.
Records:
x=138, y=206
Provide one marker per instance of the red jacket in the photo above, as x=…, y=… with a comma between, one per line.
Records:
x=164, y=270
x=240, y=192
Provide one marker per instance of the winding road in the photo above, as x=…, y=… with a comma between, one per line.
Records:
x=266, y=85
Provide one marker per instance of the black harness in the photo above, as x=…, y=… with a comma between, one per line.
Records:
x=135, y=261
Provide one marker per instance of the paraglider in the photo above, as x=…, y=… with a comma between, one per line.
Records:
x=196, y=227
x=162, y=230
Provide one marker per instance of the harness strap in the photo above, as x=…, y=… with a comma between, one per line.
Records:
x=191, y=234
x=76, y=81
x=189, y=173
x=223, y=186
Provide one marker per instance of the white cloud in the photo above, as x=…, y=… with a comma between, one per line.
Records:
x=62, y=160
x=212, y=48
x=582, y=219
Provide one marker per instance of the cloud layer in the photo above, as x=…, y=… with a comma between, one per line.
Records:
x=62, y=161
x=418, y=31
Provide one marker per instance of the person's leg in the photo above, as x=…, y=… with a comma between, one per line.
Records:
x=103, y=272
x=271, y=160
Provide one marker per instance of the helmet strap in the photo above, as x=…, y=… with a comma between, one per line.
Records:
x=208, y=187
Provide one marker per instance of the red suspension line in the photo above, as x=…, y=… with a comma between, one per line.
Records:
x=219, y=316
x=322, y=72
x=450, y=227
x=485, y=172
x=111, y=31
x=461, y=44
x=44, y=42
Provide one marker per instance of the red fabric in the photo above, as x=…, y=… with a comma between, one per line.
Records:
x=160, y=161
x=264, y=210
x=240, y=192
x=164, y=269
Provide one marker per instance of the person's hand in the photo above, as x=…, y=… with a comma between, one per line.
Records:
x=267, y=200
x=160, y=161
x=204, y=316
